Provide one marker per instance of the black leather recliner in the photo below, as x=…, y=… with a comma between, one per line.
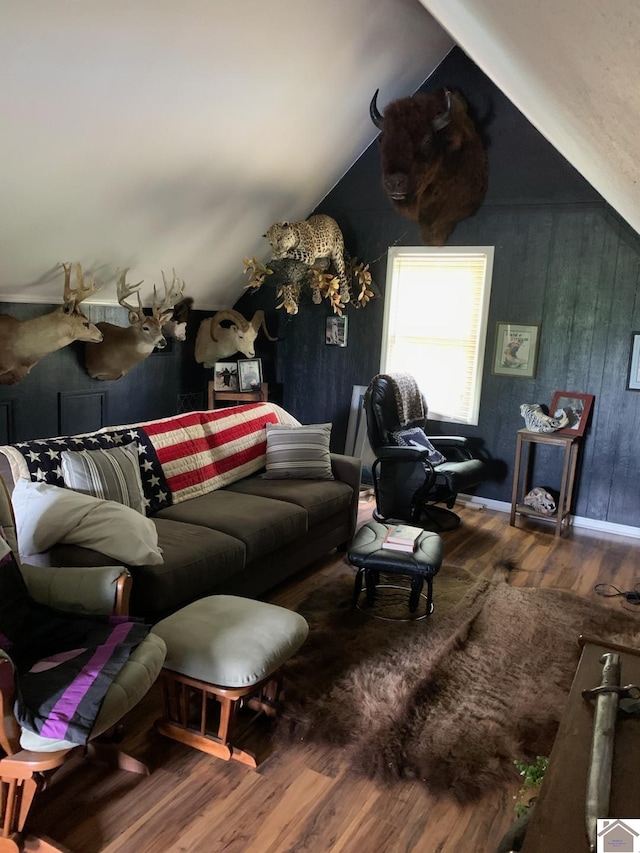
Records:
x=406, y=483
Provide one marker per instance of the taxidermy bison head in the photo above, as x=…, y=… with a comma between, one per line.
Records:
x=434, y=166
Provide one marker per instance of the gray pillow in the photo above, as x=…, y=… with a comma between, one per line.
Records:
x=112, y=474
x=298, y=452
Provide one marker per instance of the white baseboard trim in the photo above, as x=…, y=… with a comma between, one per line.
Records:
x=479, y=503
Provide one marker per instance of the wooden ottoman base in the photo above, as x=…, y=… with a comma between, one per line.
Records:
x=190, y=714
x=224, y=670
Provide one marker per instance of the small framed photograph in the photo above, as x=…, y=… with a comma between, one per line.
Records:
x=250, y=374
x=516, y=349
x=336, y=331
x=225, y=376
x=633, y=378
x=577, y=407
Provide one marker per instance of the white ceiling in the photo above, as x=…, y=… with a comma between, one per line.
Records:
x=156, y=134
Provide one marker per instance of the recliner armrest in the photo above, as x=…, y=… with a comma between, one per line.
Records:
x=394, y=453
x=448, y=440
x=94, y=590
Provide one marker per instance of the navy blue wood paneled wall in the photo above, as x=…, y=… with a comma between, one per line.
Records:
x=563, y=259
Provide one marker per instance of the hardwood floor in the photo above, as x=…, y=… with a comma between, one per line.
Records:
x=302, y=798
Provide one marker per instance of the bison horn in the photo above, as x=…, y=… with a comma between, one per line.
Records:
x=376, y=117
x=443, y=119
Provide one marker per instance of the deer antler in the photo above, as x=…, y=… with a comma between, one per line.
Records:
x=75, y=296
x=125, y=290
x=172, y=295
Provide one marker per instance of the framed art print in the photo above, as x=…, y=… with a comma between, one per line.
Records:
x=336, y=331
x=516, y=349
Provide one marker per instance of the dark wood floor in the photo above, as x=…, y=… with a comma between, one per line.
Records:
x=302, y=800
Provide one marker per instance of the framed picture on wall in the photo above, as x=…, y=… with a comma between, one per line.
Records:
x=578, y=408
x=515, y=351
x=336, y=331
x=225, y=376
x=250, y=374
x=633, y=376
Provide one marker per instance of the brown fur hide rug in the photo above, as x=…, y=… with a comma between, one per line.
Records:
x=450, y=700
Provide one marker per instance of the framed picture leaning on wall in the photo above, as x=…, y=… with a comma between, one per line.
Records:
x=225, y=376
x=516, y=349
x=250, y=374
x=578, y=408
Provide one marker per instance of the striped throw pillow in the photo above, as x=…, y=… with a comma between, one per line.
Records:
x=110, y=473
x=298, y=452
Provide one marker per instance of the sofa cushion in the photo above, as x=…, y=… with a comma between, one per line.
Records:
x=263, y=524
x=320, y=498
x=197, y=561
x=298, y=452
x=111, y=473
x=47, y=514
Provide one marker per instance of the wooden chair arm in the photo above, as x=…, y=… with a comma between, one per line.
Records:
x=9, y=728
x=23, y=764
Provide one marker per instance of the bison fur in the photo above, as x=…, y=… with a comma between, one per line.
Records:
x=434, y=164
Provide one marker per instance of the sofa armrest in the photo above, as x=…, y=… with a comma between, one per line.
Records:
x=348, y=469
x=91, y=590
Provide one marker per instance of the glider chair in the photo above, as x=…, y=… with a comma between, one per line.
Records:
x=413, y=472
x=27, y=759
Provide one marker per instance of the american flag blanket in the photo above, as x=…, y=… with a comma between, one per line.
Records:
x=180, y=456
x=64, y=664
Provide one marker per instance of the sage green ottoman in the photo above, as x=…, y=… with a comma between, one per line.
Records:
x=224, y=653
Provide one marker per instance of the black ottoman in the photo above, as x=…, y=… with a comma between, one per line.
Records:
x=370, y=558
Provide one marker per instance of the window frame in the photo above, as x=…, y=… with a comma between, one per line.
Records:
x=472, y=417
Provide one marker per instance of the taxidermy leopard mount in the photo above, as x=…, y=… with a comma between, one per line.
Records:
x=316, y=237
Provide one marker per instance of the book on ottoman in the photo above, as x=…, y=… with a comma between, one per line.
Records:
x=402, y=537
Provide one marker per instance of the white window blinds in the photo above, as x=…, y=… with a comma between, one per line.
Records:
x=436, y=308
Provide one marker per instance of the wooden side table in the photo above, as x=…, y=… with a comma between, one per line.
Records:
x=522, y=474
x=238, y=397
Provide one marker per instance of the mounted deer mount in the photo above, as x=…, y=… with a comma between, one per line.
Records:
x=215, y=342
x=23, y=343
x=125, y=346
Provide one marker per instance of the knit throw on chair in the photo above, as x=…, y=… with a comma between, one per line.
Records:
x=408, y=397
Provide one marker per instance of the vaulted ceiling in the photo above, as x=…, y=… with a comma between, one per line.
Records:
x=158, y=135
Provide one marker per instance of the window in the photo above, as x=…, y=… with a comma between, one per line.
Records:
x=435, y=324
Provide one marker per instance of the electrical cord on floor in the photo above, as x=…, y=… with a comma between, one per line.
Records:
x=608, y=590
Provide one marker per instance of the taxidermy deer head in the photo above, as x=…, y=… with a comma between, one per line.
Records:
x=124, y=347
x=23, y=343
x=215, y=342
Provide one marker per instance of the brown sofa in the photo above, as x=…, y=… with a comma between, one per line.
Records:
x=242, y=536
